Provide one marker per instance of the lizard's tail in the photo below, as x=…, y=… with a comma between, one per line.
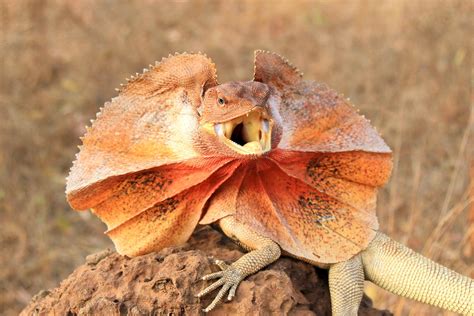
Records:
x=402, y=271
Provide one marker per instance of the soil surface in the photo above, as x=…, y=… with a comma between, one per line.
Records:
x=165, y=283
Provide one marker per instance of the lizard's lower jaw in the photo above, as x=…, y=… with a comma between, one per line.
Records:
x=249, y=134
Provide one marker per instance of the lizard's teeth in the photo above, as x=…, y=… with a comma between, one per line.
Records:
x=265, y=126
x=228, y=129
x=219, y=129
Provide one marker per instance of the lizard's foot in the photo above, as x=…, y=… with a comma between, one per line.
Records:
x=229, y=278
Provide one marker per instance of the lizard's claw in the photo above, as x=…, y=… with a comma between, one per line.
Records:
x=229, y=278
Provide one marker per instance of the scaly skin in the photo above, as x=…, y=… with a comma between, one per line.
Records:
x=402, y=271
x=346, y=285
x=385, y=262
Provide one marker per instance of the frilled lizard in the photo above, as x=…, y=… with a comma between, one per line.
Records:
x=282, y=165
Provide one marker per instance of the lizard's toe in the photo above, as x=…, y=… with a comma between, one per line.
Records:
x=229, y=279
x=213, y=276
x=232, y=292
x=218, y=297
x=221, y=264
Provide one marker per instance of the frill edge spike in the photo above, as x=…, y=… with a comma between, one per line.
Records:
x=146, y=71
x=286, y=61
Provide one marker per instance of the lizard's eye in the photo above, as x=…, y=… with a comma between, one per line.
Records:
x=221, y=101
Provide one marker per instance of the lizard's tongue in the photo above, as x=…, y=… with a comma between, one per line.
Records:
x=254, y=146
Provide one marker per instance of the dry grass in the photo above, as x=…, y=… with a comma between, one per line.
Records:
x=406, y=64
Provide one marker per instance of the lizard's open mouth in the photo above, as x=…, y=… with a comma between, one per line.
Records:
x=249, y=134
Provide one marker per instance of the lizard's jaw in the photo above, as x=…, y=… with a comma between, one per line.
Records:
x=249, y=134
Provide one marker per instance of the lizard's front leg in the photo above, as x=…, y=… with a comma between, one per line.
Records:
x=263, y=251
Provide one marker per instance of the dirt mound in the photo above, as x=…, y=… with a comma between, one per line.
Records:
x=165, y=283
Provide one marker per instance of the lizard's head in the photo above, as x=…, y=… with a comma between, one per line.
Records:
x=236, y=113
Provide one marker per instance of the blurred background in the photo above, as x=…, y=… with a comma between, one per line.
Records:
x=406, y=64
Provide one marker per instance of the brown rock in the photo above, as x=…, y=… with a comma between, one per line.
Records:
x=165, y=283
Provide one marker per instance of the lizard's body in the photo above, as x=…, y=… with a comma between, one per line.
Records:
x=282, y=165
